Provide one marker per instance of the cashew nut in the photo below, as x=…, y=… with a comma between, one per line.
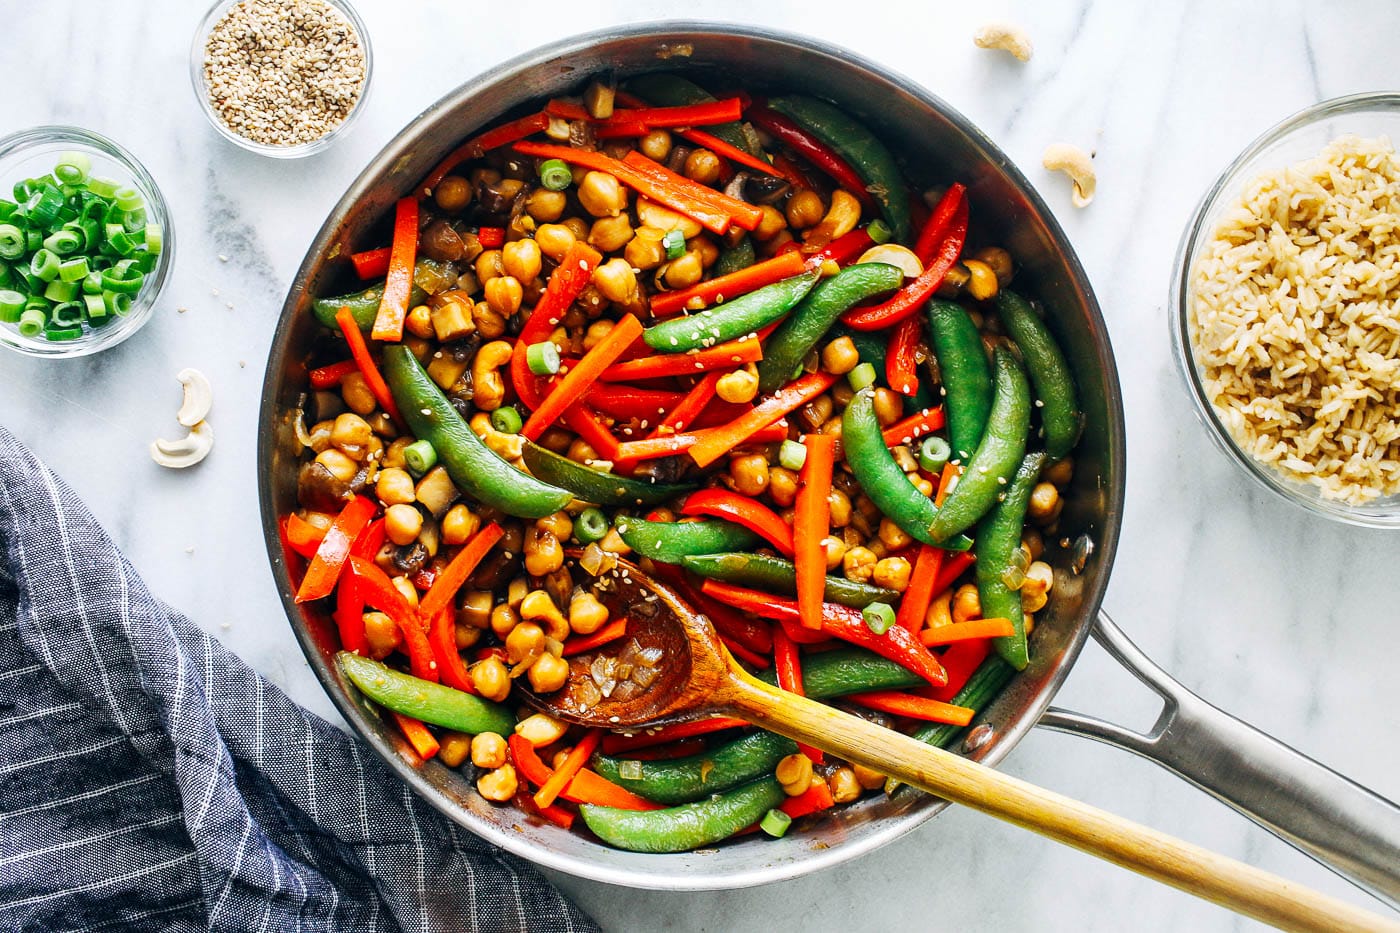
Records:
x=508, y=447
x=1005, y=36
x=1074, y=162
x=488, y=388
x=198, y=397
x=841, y=218
x=187, y=451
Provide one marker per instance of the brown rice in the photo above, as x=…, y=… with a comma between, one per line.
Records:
x=1295, y=320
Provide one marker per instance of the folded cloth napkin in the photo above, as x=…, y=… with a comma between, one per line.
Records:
x=149, y=780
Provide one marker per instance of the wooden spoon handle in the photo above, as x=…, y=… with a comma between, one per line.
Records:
x=1209, y=875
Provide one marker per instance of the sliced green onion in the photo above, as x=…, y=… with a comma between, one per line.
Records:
x=507, y=420
x=145, y=262
x=878, y=617
x=32, y=284
x=120, y=240
x=7, y=208
x=155, y=239
x=11, y=241
x=60, y=291
x=630, y=769
x=95, y=306
x=934, y=453
x=590, y=525
x=135, y=221
x=127, y=198
x=879, y=231
x=67, y=314
x=64, y=242
x=775, y=823
x=542, y=358
x=73, y=168
x=118, y=303
x=43, y=206
x=63, y=333
x=555, y=174
x=6, y=276
x=74, y=270
x=420, y=457
x=116, y=282
x=11, y=306
x=791, y=455
x=33, y=239
x=31, y=322
x=44, y=264
x=674, y=244
x=860, y=377
x=92, y=283
x=102, y=187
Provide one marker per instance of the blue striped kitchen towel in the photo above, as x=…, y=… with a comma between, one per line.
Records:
x=149, y=780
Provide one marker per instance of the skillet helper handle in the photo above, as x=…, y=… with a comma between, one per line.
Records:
x=1346, y=827
x=1190, y=868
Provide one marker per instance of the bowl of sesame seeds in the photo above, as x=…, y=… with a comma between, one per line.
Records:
x=281, y=78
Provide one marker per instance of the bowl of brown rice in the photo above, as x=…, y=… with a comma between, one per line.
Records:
x=1286, y=309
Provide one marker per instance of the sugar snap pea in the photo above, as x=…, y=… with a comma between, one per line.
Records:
x=1054, y=386
x=840, y=671
x=998, y=538
x=981, y=688
x=733, y=319
x=733, y=258
x=668, y=542
x=429, y=275
x=967, y=378
x=425, y=700
x=682, y=780
x=778, y=575
x=596, y=486
x=688, y=826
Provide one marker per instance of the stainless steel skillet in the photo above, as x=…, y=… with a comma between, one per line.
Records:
x=1341, y=824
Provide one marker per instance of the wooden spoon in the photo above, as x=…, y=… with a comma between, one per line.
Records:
x=697, y=677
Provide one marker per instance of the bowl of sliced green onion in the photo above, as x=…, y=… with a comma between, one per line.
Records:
x=85, y=242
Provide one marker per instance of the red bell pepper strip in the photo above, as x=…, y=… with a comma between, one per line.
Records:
x=812, y=800
x=360, y=351
x=608, y=633
x=303, y=536
x=625, y=402
x=755, y=635
x=585, y=787
x=491, y=237
x=752, y=514
x=615, y=743
x=961, y=660
x=953, y=566
x=328, y=377
x=914, y=707
x=442, y=636
x=684, y=413
x=372, y=263
x=334, y=550
x=756, y=603
x=369, y=542
x=737, y=649
x=571, y=765
x=787, y=664
x=913, y=605
x=728, y=287
x=746, y=215
x=722, y=356
x=790, y=397
x=566, y=283
x=553, y=813
x=707, y=113
x=734, y=154
x=445, y=587
x=901, y=360
x=491, y=139
x=912, y=296
x=678, y=749
x=623, y=130
x=963, y=631
x=810, y=148
x=423, y=741
x=811, y=524
x=843, y=250
x=378, y=591
x=398, y=283
x=565, y=110
x=576, y=382
x=350, y=618
x=915, y=427
x=939, y=224
x=652, y=447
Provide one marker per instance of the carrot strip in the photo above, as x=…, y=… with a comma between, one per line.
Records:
x=951, y=471
x=787, y=663
x=811, y=524
x=721, y=356
x=480, y=145
x=792, y=396
x=360, y=351
x=398, y=283
x=334, y=549
x=582, y=420
x=554, y=813
x=688, y=408
x=445, y=587
x=728, y=287
x=608, y=633
x=423, y=741
x=372, y=263
x=914, y=707
x=953, y=566
x=915, y=427
x=328, y=377
x=571, y=388
x=707, y=113
x=962, y=631
x=734, y=154
x=652, y=447
x=566, y=283
x=617, y=742
x=742, y=213
x=913, y=605
x=573, y=763
x=586, y=787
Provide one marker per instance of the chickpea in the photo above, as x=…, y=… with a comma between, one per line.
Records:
x=1035, y=591
x=499, y=784
x=644, y=251
x=596, y=332
x=894, y=537
x=706, y=247
x=996, y=259
x=521, y=260
x=839, y=506
x=503, y=619
x=382, y=635
x=923, y=485
x=543, y=553
x=844, y=786
x=489, y=323
x=1060, y=473
x=966, y=603
x=458, y=525
x=351, y=434
x=340, y=466
x=394, y=487
x=656, y=145
x=548, y=673
x=686, y=271
x=703, y=166
x=524, y=643
x=610, y=234
x=541, y=729
x=982, y=281
x=355, y=391
x=586, y=613
x=419, y=322
x=805, y=209
x=488, y=750
x=1033, y=543
x=504, y=295
x=749, y=474
x=868, y=778
x=771, y=223
x=406, y=589
x=737, y=387
x=840, y=356
x=889, y=408
x=858, y=564
x=580, y=451
x=453, y=748
x=560, y=524
x=892, y=573
x=602, y=195
x=545, y=206
x=782, y=486
x=554, y=240
x=795, y=774
x=489, y=265
x=835, y=550
x=453, y=193
x=1044, y=506
x=491, y=679
x=393, y=456
x=616, y=280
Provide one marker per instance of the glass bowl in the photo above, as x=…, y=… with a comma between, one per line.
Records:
x=33, y=153
x=201, y=87
x=1298, y=138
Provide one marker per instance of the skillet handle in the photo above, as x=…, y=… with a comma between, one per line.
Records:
x=1346, y=827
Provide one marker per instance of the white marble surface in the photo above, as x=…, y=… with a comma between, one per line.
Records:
x=1280, y=617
